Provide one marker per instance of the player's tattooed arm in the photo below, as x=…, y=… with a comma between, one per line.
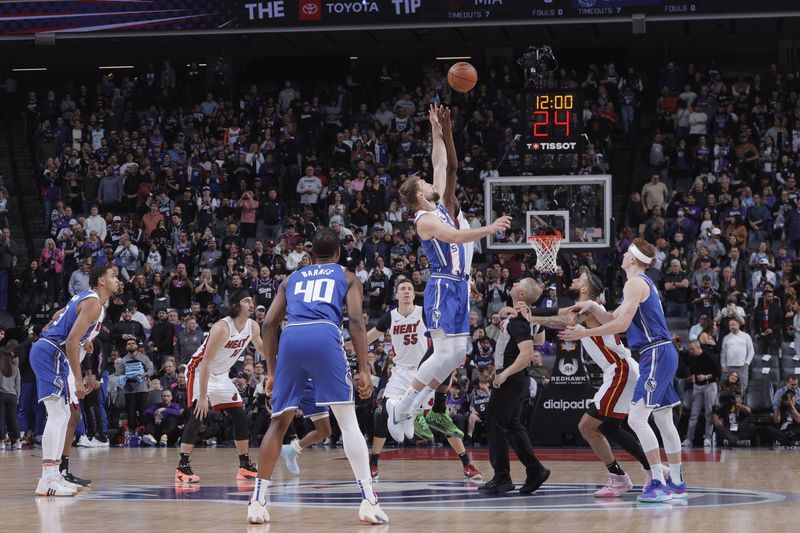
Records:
x=560, y=321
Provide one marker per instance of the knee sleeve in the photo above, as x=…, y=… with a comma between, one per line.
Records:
x=638, y=421
x=191, y=429
x=669, y=433
x=240, y=429
x=381, y=419
x=448, y=354
x=55, y=430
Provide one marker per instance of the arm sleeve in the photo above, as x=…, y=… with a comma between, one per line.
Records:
x=384, y=322
x=543, y=311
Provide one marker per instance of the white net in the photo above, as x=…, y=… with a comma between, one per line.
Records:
x=546, y=248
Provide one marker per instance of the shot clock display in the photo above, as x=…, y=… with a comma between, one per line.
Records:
x=554, y=121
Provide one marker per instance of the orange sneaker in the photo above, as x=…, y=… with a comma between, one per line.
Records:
x=184, y=474
x=471, y=473
x=248, y=471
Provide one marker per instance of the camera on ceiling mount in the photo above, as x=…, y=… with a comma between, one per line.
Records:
x=537, y=62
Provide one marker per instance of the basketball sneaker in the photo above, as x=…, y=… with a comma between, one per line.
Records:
x=615, y=486
x=396, y=425
x=677, y=490
x=164, y=441
x=289, y=455
x=370, y=513
x=373, y=470
x=184, y=474
x=68, y=484
x=655, y=492
x=442, y=423
x=421, y=428
x=248, y=471
x=69, y=477
x=257, y=513
x=53, y=487
x=472, y=474
x=149, y=440
x=83, y=442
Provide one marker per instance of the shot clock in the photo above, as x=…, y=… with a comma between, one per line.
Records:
x=554, y=121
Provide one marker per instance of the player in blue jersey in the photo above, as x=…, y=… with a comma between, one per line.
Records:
x=446, y=303
x=53, y=356
x=642, y=316
x=313, y=299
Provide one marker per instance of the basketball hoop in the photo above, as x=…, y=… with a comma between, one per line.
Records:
x=546, y=248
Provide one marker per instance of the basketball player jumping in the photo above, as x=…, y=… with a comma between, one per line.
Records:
x=208, y=383
x=447, y=293
x=406, y=325
x=642, y=316
x=313, y=299
x=611, y=404
x=53, y=357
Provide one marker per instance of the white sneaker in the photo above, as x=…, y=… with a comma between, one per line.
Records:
x=257, y=513
x=70, y=485
x=17, y=445
x=84, y=442
x=149, y=440
x=706, y=443
x=395, y=425
x=101, y=444
x=289, y=455
x=52, y=487
x=408, y=427
x=687, y=443
x=371, y=514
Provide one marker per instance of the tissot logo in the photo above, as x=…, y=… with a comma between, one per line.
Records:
x=340, y=8
x=310, y=10
x=552, y=146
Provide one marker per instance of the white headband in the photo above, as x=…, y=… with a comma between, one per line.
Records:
x=639, y=255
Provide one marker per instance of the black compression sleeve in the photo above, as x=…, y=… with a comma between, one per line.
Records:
x=545, y=311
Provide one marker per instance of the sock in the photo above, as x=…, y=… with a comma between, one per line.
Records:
x=296, y=445
x=615, y=469
x=465, y=459
x=64, y=466
x=373, y=459
x=49, y=471
x=439, y=402
x=244, y=459
x=409, y=401
x=261, y=491
x=658, y=474
x=676, y=473
x=367, y=492
x=422, y=399
x=184, y=459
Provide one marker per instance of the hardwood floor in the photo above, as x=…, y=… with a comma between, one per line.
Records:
x=421, y=490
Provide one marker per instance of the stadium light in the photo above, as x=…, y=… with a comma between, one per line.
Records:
x=29, y=69
x=116, y=67
x=452, y=58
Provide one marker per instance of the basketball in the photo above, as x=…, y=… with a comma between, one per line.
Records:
x=462, y=77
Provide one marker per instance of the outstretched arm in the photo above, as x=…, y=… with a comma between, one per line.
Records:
x=633, y=294
x=429, y=227
x=438, y=152
x=449, y=196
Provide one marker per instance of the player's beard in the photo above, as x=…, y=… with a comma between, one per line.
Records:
x=434, y=197
x=575, y=294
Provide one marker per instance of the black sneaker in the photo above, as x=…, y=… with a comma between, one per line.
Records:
x=495, y=486
x=72, y=478
x=533, y=482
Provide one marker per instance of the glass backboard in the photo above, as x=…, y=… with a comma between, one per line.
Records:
x=578, y=206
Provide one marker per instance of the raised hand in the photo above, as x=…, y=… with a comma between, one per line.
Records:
x=501, y=224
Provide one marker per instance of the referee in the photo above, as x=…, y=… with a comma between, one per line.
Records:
x=513, y=355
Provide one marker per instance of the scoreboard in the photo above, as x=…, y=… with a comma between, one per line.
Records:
x=555, y=123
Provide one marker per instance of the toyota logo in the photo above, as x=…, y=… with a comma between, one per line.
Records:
x=310, y=8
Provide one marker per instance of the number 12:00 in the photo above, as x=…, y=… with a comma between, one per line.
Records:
x=558, y=101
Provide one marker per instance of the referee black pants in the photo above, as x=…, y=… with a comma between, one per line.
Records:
x=504, y=426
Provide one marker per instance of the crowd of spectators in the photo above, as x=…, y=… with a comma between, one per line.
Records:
x=191, y=194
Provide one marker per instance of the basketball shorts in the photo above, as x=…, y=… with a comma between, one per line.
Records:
x=658, y=364
x=613, y=399
x=221, y=391
x=49, y=363
x=400, y=381
x=308, y=403
x=447, y=305
x=311, y=350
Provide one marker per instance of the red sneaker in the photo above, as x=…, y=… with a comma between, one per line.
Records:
x=373, y=469
x=471, y=473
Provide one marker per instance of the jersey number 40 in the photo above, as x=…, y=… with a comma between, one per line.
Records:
x=315, y=290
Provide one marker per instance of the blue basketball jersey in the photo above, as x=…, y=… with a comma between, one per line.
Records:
x=316, y=292
x=444, y=257
x=59, y=330
x=649, y=324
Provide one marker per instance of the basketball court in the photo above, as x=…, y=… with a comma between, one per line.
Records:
x=420, y=488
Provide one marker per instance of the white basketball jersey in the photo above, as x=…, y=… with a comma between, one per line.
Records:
x=408, y=337
x=469, y=247
x=606, y=350
x=94, y=331
x=229, y=353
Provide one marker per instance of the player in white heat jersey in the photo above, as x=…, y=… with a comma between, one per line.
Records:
x=209, y=383
x=612, y=401
x=406, y=325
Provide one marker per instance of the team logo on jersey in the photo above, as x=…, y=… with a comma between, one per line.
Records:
x=436, y=315
x=568, y=367
x=650, y=385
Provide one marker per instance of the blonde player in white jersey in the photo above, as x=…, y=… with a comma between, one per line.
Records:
x=612, y=401
x=406, y=325
x=209, y=384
